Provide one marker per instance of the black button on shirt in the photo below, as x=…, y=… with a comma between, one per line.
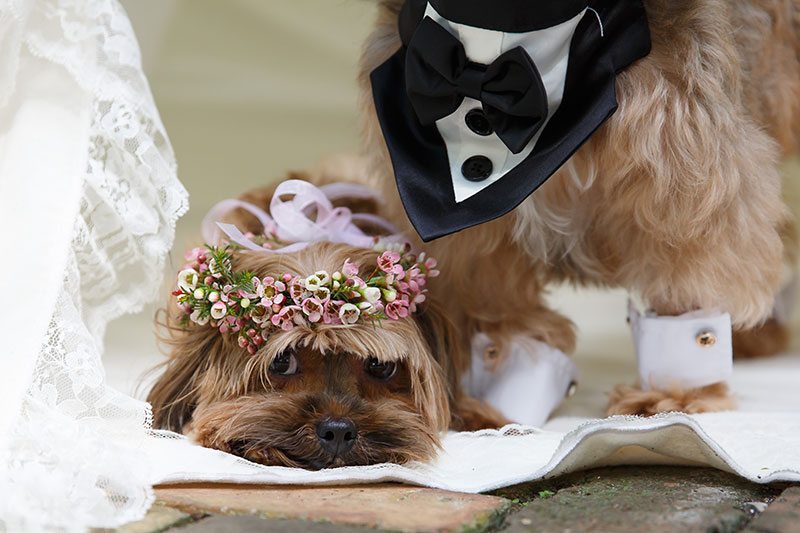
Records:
x=478, y=123
x=477, y=168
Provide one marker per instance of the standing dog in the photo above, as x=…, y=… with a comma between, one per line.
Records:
x=676, y=198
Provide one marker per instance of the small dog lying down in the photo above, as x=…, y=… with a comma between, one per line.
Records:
x=326, y=386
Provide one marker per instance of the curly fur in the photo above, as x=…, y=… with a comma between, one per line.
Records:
x=676, y=198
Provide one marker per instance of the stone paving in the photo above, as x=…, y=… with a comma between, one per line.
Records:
x=654, y=499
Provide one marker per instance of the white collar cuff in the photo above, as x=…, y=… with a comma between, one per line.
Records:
x=687, y=351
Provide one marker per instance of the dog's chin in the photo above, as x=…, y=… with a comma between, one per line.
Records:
x=280, y=431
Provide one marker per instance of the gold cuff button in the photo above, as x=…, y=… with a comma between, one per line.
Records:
x=706, y=339
x=572, y=389
x=491, y=353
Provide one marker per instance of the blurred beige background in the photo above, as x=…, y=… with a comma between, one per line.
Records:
x=248, y=89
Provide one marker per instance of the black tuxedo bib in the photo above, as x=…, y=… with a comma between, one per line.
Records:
x=486, y=99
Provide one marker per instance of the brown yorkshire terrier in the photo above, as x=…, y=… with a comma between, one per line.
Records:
x=676, y=198
x=319, y=395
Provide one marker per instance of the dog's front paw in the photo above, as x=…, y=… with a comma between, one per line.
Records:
x=628, y=400
x=470, y=414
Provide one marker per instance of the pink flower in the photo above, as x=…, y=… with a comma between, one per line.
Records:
x=417, y=299
x=197, y=319
x=313, y=309
x=196, y=254
x=270, y=291
x=396, y=310
x=297, y=290
x=388, y=262
x=287, y=318
x=331, y=314
x=349, y=268
x=260, y=313
x=357, y=282
x=430, y=266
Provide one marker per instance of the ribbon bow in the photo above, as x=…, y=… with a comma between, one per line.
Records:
x=309, y=216
x=439, y=75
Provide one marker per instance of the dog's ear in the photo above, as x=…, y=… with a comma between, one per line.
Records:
x=174, y=395
x=446, y=345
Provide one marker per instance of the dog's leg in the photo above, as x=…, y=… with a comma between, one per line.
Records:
x=773, y=336
x=494, y=289
x=686, y=211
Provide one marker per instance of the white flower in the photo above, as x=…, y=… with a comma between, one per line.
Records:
x=372, y=294
x=245, y=303
x=312, y=283
x=198, y=294
x=260, y=313
x=324, y=277
x=365, y=306
x=349, y=314
x=187, y=280
x=322, y=293
x=197, y=319
x=213, y=296
x=218, y=310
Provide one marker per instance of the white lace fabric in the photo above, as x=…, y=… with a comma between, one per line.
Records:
x=71, y=457
x=760, y=441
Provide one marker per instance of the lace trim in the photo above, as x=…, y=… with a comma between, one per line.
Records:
x=75, y=459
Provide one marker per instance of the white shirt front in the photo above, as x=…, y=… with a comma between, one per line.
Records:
x=549, y=50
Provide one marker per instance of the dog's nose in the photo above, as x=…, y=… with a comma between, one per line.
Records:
x=336, y=435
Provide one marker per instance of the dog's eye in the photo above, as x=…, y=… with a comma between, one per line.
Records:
x=380, y=369
x=285, y=364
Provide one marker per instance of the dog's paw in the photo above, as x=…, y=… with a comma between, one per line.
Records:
x=628, y=400
x=470, y=414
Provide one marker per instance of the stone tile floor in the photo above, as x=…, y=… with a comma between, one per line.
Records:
x=655, y=499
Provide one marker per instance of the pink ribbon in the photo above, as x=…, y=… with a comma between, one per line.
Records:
x=291, y=219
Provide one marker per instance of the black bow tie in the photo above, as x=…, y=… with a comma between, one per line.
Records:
x=439, y=75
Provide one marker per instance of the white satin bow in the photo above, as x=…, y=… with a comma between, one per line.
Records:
x=291, y=219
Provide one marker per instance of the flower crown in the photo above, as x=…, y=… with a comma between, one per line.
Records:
x=211, y=292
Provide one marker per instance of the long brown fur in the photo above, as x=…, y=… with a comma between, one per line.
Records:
x=213, y=390
x=676, y=198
